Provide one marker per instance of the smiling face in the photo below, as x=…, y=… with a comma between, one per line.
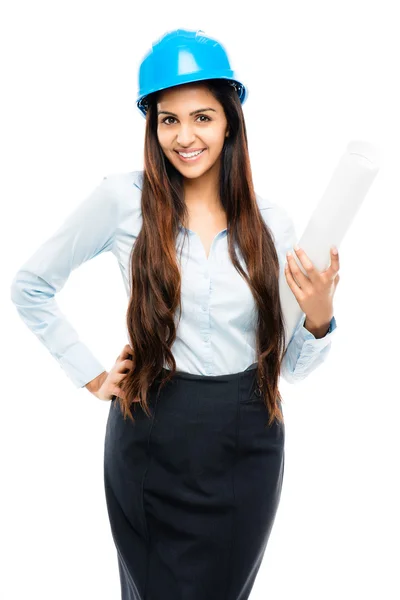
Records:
x=183, y=123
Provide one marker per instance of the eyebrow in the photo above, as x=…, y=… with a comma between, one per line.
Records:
x=166, y=112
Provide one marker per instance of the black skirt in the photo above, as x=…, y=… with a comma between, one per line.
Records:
x=192, y=492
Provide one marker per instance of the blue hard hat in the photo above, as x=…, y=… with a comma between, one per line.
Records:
x=183, y=56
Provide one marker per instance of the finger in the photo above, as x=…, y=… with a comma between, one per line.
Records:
x=335, y=263
x=115, y=389
x=306, y=262
x=126, y=351
x=124, y=365
x=301, y=279
x=292, y=283
x=118, y=377
x=117, y=381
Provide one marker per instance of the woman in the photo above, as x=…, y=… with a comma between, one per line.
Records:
x=194, y=446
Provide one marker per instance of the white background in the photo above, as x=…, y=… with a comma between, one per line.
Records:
x=319, y=75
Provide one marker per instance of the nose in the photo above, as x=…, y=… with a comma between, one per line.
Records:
x=185, y=137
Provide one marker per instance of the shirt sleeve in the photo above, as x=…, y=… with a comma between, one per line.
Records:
x=87, y=232
x=304, y=352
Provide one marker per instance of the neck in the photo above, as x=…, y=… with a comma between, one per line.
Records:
x=202, y=193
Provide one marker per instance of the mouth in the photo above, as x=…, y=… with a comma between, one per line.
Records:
x=191, y=158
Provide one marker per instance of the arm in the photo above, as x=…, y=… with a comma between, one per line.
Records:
x=305, y=352
x=309, y=346
x=87, y=232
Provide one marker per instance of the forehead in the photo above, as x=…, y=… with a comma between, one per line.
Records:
x=188, y=93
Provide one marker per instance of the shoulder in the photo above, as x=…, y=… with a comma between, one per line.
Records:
x=123, y=182
x=124, y=189
x=278, y=221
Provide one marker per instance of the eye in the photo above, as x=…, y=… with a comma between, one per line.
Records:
x=166, y=118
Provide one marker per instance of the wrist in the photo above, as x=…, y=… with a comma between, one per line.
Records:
x=95, y=384
x=317, y=329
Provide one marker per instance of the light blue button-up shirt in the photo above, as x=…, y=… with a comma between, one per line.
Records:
x=216, y=333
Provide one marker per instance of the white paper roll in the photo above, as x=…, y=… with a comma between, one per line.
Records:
x=332, y=218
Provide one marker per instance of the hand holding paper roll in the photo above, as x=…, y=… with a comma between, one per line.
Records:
x=331, y=219
x=313, y=290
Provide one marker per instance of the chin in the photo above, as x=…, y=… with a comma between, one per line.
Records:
x=194, y=173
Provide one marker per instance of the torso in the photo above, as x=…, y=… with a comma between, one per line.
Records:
x=206, y=226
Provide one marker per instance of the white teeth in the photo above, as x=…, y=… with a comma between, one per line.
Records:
x=190, y=154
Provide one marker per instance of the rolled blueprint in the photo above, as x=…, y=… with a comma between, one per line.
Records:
x=332, y=218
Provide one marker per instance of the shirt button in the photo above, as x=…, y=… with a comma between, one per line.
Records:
x=204, y=307
x=207, y=337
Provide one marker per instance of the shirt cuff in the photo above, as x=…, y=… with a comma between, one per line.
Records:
x=80, y=365
x=307, y=336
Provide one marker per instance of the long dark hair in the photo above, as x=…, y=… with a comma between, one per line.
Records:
x=155, y=275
